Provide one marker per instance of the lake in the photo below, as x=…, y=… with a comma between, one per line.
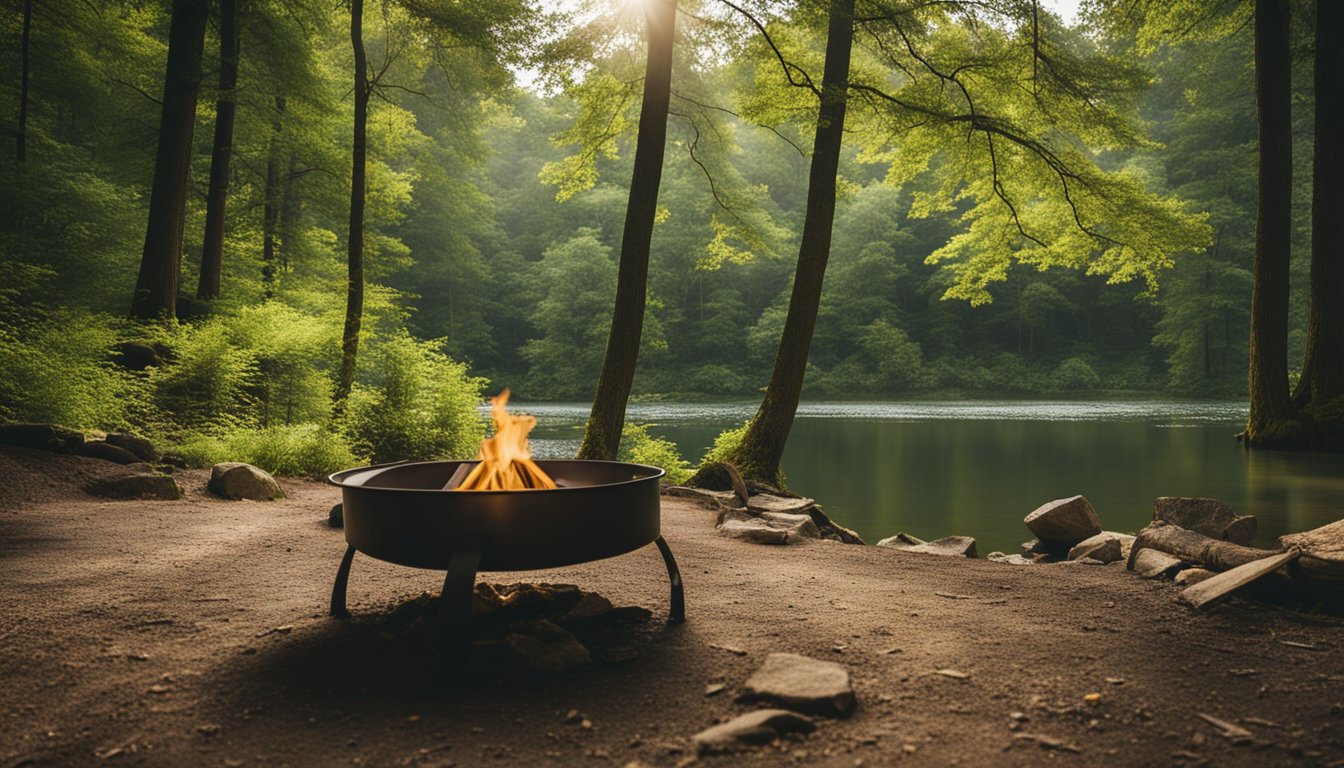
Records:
x=976, y=468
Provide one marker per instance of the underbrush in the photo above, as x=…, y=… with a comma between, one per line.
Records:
x=300, y=450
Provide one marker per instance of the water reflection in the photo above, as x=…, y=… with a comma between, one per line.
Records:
x=975, y=468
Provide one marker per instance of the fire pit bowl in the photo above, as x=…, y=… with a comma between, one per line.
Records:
x=400, y=513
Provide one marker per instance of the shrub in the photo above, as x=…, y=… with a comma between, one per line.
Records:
x=418, y=404
x=724, y=445
x=1074, y=374
x=207, y=385
x=639, y=446
x=300, y=450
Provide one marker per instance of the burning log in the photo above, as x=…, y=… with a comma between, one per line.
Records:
x=505, y=461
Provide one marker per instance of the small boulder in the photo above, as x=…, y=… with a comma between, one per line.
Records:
x=137, y=445
x=1207, y=516
x=236, y=480
x=760, y=727
x=1154, y=564
x=766, y=502
x=336, y=516
x=768, y=528
x=1106, y=547
x=42, y=437
x=999, y=557
x=801, y=683
x=97, y=449
x=950, y=546
x=540, y=646
x=135, y=356
x=1064, y=522
x=145, y=485
x=1192, y=576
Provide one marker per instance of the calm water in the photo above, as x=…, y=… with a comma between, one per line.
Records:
x=976, y=468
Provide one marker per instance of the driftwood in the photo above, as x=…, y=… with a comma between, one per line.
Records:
x=1195, y=548
x=1210, y=590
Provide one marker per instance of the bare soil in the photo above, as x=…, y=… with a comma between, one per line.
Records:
x=194, y=632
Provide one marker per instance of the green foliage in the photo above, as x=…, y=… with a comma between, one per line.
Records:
x=639, y=446
x=209, y=381
x=416, y=404
x=725, y=444
x=297, y=450
x=1075, y=374
x=575, y=285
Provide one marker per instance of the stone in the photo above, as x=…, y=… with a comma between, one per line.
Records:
x=709, y=497
x=236, y=480
x=42, y=437
x=1191, y=576
x=173, y=460
x=540, y=646
x=1064, y=522
x=590, y=606
x=1153, y=564
x=146, y=485
x=97, y=449
x=135, y=444
x=1106, y=547
x=1207, y=516
x=801, y=683
x=767, y=528
x=1241, y=530
x=999, y=557
x=136, y=356
x=950, y=546
x=832, y=530
x=760, y=727
x=766, y=502
x=336, y=516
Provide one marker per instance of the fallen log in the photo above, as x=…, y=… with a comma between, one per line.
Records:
x=1321, y=560
x=1214, y=588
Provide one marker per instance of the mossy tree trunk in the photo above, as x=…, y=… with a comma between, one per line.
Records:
x=758, y=456
x=602, y=436
x=226, y=105
x=1272, y=421
x=161, y=261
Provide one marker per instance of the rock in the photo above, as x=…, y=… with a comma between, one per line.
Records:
x=590, y=606
x=145, y=485
x=1106, y=547
x=540, y=646
x=803, y=684
x=137, y=445
x=1207, y=516
x=42, y=437
x=1241, y=530
x=1152, y=563
x=950, y=546
x=135, y=356
x=767, y=528
x=765, y=502
x=1038, y=547
x=999, y=557
x=832, y=530
x=1064, y=522
x=709, y=497
x=1192, y=576
x=760, y=727
x=236, y=480
x=97, y=449
x=173, y=460
x=336, y=516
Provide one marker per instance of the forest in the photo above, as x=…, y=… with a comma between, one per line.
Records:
x=245, y=226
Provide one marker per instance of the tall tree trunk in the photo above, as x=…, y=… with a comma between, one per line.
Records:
x=21, y=144
x=602, y=436
x=161, y=262
x=270, y=212
x=1272, y=421
x=354, y=297
x=757, y=457
x=212, y=254
x=290, y=209
x=1322, y=382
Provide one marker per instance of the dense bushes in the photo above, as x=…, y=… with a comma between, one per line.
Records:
x=639, y=446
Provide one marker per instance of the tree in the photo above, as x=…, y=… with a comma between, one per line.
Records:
x=226, y=106
x=161, y=261
x=1320, y=391
x=1272, y=421
x=602, y=436
x=354, y=295
x=21, y=140
x=762, y=447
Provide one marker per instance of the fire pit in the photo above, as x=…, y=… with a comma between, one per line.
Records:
x=400, y=513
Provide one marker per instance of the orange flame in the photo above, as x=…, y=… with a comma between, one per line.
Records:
x=505, y=461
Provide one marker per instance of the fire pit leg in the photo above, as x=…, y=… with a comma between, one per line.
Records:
x=338, y=589
x=455, y=603
x=677, y=613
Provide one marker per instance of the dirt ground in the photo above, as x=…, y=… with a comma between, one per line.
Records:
x=194, y=632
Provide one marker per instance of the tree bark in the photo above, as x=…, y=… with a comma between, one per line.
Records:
x=270, y=213
x=354, y=298
x=212, y=254
x=21, y=143
x=1322, y=384
x=161, y=261
x=759, y=454
x=602, y=436
x=1272, y=421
